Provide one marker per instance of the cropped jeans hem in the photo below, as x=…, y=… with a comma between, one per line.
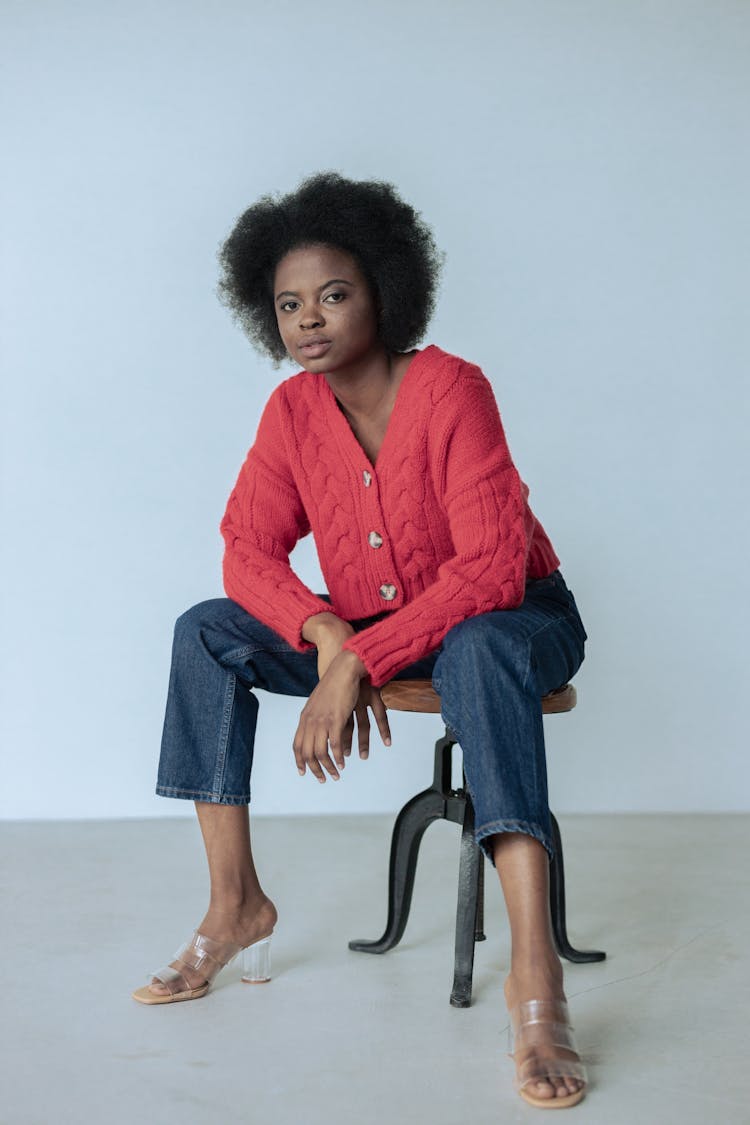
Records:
x=482, y=835
x=201, y=795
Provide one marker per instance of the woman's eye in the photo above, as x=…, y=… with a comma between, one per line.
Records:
x=289, y=306
x=335, y=298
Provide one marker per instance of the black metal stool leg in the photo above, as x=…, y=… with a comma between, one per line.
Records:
x=557, y=906
x=479, y=934
x=466, y=912
x=436, y=803
x=408, y=831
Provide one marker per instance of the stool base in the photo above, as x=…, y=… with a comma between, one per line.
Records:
x=441, y=802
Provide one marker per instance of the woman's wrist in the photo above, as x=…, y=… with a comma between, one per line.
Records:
x=349, y=661
x=326, y=628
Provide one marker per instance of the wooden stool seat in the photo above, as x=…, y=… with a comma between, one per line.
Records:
x=420, y=696
x=442, y=802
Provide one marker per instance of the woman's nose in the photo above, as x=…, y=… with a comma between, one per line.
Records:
x=312, y=318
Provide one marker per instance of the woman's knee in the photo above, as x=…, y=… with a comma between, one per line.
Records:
x=191, y=624
x=484, y=641
x=225, y=631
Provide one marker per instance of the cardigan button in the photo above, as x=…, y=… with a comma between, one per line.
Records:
x=387, y=592
x=367, y=478
x=374, y=539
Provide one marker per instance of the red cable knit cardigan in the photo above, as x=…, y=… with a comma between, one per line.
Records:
x=440, y=530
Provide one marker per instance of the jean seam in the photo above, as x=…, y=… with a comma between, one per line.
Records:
x=555, y=621
x=250, y=650
x=512, y=824
x=226, y=723
x=547, y=625
x=202, y=794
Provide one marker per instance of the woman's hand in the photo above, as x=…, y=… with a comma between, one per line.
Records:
x=324, y=734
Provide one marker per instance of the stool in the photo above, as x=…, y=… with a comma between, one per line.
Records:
x=441, y=802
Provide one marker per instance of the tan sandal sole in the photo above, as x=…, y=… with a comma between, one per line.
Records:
x=146, y=996
x=554, y=1103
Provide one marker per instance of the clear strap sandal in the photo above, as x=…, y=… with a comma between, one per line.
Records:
x=541, y=1043
x=206, y=957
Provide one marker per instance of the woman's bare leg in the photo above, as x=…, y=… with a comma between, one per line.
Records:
x=535, y=971
x=238, y=909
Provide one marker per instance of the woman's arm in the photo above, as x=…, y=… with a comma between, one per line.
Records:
x=264, y=519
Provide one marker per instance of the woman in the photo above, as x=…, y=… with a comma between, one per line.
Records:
x=396, y=459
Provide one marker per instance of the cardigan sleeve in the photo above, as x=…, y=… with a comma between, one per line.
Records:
x=264, y=519
x=490, y=525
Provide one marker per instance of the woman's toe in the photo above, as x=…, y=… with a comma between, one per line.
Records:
x=544, y=1089
x=568, y=1086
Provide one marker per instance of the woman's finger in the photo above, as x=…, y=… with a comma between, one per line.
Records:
x=320, y=755
x=378, y=709
x=297, y=747
x=346, y=737
x=363, y=730
x=313, y=765
x=304, y=750
x=337, y=743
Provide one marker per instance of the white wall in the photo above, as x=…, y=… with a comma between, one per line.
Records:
x=585, y=167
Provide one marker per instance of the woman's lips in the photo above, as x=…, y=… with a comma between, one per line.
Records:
x=315, y=349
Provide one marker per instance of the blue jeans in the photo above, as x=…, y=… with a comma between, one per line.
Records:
x=490, y=673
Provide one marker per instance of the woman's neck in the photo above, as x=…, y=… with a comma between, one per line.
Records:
x=368, y=391
x=361, y=388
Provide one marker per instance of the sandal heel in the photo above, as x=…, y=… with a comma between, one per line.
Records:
x=256, y=962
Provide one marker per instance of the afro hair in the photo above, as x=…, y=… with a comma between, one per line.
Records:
x=391, y=243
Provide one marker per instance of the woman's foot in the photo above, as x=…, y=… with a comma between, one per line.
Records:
x=243, y=926
x=543, y=980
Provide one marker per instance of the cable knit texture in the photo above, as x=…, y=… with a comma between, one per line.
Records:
x=458, y=536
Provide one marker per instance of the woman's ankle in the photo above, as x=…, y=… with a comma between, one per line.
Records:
x=236, y=900
x=538, y=978
x=243, y=921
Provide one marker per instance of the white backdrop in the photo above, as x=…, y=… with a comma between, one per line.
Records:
x=585, y=168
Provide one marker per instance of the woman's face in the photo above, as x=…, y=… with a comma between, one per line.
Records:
x=325, y=309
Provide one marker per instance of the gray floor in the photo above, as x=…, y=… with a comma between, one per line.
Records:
x=343, y=1037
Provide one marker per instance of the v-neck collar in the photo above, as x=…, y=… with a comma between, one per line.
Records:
x=344, y=431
